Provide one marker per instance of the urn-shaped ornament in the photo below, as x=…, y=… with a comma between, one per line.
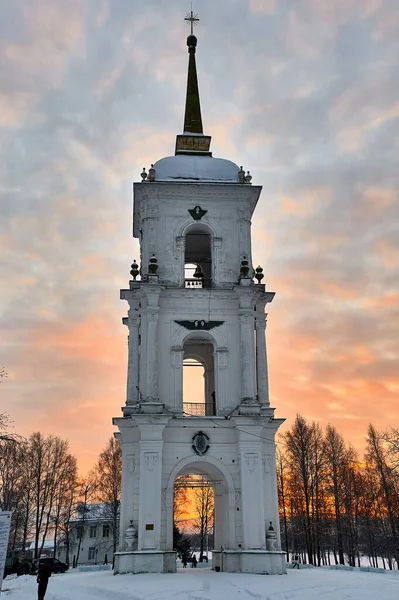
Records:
x=244, y=267
x=241, y=175
x=130, y=536
x=151, y=173
x=259, y=274
x=271, y=538
x=134, y=271
x=153, y=266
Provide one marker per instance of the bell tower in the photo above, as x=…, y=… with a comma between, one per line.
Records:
x=193, y=297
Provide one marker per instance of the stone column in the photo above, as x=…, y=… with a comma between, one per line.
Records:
x=132, y=394
x=252, y=493
x=221, y=369
x=261, y=361
x=247, y=356
x=177, y=364
x=127, y=492
x=150, y=492
x=152, y=355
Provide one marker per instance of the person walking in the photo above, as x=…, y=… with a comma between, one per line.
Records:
x=295, y=561
x=194, y=562
x=43, y=575
x=184, y=562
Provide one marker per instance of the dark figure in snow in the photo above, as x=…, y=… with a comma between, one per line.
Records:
x=184, y=562
x=295, y=561
x=43, y=576
x=194, y=562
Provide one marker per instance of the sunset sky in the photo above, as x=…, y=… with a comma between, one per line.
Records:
x=304, y=93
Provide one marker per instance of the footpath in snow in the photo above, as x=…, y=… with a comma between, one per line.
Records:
x=204, y=584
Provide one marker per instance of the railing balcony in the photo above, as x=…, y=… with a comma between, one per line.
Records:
x=197, y=284
x=199, y=409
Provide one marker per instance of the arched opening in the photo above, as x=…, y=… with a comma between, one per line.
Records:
x=224, y=519
x=198, y=258
x=193, y=518
x=199, y=396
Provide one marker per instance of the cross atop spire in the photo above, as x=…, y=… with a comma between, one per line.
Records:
x=193, y=139
x=192, y=19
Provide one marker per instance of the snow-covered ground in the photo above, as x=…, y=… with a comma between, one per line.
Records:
x=204, y=584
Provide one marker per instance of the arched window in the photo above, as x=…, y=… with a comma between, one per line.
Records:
x=199, y=398
x=198, y=258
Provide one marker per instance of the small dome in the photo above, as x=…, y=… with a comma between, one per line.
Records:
x=186, y=167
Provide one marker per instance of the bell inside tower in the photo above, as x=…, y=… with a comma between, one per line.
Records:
x=198, y=258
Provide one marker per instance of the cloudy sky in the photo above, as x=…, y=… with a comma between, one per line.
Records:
x=304, y=93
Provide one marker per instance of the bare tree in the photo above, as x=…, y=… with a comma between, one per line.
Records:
x=282, y=492
x=304, y=449
x=337, y=462
x=391, y=438
x=180, y=498
x=86, y=491
x=47, y=460
x=65, y=514
x=108, y=483
x=377, y=459
x=65, y=491
x=204, y=508
x=12, y=485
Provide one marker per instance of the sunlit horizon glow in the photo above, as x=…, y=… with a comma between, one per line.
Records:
x=302, y=94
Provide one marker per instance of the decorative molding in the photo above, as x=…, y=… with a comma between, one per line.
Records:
x=267, y=464
x=177, y=356
x=222, y=354
x=130, y=463
x=180, y=241
x=151, y=460
x=244, y=214
x=200, y=443
x=199, y=324
x=197, y=212
x=251, y=460
x=260, y=323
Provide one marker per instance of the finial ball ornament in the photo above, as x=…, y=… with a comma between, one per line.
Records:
x=192, y=41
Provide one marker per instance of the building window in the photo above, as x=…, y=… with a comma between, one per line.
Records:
x=198, y=258
x=105, y=530
x=79, y=532
x=92, y=553
x=199, y=396
x=93, y=531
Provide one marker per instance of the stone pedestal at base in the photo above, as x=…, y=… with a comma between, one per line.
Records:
x=146, y=561
x=261, y=562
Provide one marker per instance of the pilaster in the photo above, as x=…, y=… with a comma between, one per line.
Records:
x=177, y=354
x=252, y=493
x=132, y=393
x=261, y=358
x=150, y=450
x=151, y=316
x=247, y=346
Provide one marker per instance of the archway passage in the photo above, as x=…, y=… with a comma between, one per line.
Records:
x=193, y=518
x=199, y=397
x=198, y=258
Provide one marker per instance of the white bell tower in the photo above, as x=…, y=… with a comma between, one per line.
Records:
x=193, y=297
